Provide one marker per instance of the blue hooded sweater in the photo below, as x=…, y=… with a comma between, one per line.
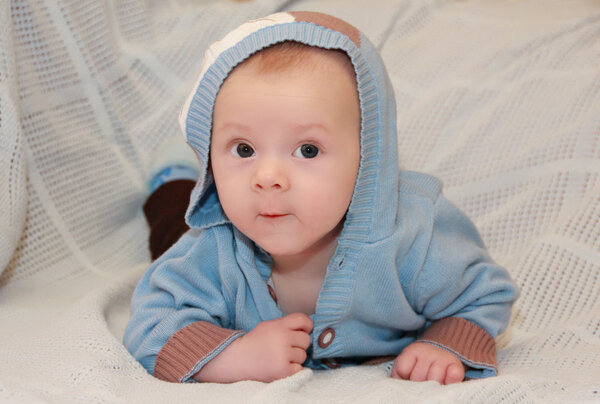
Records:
x=409, y=265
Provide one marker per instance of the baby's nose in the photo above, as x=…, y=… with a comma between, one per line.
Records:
x=270, y=177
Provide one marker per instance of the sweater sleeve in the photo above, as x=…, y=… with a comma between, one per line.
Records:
x=470, y=343
x=465, y=297
x=189, y=349
x=180, y=317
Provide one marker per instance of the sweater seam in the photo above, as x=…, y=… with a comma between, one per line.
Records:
x=416, y=283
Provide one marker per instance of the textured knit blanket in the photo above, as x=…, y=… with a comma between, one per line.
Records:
x=499, y=99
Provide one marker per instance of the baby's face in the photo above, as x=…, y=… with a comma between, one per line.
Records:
x=285, y=153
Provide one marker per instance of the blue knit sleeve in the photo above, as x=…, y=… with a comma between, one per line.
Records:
x=182, y=287
x=459, y=280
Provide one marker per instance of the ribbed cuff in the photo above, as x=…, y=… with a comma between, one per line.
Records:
x=179, y=358
x=470, y=343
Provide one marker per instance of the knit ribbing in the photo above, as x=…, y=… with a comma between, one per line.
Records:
x=471, y=343
x=179, y=357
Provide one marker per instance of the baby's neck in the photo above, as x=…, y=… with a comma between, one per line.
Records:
x=298, y=279
x=311, y=262
x=302, y=266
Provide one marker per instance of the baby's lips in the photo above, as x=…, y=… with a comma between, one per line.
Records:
x=272, y=215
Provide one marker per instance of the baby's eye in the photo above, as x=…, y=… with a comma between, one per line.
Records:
x=242, y=150
x=307, y=151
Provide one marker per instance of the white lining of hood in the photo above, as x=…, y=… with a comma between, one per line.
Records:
x=228, y=41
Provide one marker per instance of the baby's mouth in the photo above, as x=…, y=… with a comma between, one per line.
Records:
x=272, y=215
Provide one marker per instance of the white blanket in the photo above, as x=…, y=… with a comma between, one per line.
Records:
x=500, y=99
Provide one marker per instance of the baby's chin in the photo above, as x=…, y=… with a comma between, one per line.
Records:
x=281, y=248
x=288, y=246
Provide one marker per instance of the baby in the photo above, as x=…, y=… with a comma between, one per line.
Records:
x=307, y=246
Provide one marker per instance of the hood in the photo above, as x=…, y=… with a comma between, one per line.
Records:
x=372, y=212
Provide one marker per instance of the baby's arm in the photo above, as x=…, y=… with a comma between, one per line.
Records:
x=421, y=361
x=272, y=350
x=464, y=296
x=181, y=317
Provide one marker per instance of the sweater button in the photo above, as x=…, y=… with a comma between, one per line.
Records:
x=326, y=337
x=332, y=363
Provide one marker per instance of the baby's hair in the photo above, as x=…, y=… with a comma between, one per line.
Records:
x=289, y=55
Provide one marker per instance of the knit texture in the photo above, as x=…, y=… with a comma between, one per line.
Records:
x=464, y=339
x=499, y=99
x=189, y=348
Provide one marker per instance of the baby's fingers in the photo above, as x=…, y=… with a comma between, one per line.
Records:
x=298, y=321
x=437, y=372
x=403, y=366
x=419, y=362
x=300, y=339
x=295, y=368
x=297, y=356
x=455, y=373
x=420, y=370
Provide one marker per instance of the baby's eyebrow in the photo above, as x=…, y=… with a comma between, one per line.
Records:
x=309, y=126
x=297, y=127
x=233, y=125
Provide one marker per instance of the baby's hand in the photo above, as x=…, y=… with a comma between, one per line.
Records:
x=421, y=361
x=272, y=350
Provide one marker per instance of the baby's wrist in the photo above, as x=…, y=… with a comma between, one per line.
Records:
x=227, y=367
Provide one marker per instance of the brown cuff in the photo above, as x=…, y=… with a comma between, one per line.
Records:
x=178, y=358
x=469, y=342
x=165, y=213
